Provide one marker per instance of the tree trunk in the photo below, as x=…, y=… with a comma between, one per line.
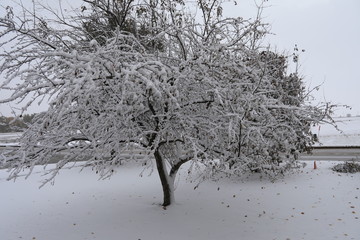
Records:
x=167, y=182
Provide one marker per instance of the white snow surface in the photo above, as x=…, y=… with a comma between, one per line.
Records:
x=349, y=135
x=311, y=204
x=10, y=138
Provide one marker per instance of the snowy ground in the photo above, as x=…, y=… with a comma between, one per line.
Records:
x=9, y=138
x=312, y=204
x=350, y=135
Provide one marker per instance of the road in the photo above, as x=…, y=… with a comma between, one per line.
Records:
x=318, y=154
x=333, y=154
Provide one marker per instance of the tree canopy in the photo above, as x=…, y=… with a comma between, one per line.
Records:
x=125, y=75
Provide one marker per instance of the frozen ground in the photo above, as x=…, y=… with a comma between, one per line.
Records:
x=350, y=135
x=312, y=204
x=9, y=138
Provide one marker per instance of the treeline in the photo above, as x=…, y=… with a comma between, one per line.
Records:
x=12, y=124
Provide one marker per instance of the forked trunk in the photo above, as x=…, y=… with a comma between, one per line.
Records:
x=167, y=182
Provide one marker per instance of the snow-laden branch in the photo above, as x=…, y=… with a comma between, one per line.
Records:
x=132, y=78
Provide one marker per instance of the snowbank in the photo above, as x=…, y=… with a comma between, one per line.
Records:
x=350, y=135
x=9, y=138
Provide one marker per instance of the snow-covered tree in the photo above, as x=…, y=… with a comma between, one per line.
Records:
x=124, y=76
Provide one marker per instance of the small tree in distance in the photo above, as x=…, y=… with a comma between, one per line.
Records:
x=124, y=75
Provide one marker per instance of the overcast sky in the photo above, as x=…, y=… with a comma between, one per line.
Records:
x=328, y=30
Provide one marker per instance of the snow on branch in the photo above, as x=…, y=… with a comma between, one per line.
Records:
x=135, y=78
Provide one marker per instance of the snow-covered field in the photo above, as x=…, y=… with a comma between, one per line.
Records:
x=9, y=138
x=350, y=135
x=312, y=204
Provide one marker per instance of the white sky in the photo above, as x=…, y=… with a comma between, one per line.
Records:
x=329, y=31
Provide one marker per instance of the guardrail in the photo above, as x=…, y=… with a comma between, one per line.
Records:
x=329, y=152
x=313, y=147
x=336, y=147
x=9, y=146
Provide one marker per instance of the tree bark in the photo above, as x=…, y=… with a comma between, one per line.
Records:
x=167, y=182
